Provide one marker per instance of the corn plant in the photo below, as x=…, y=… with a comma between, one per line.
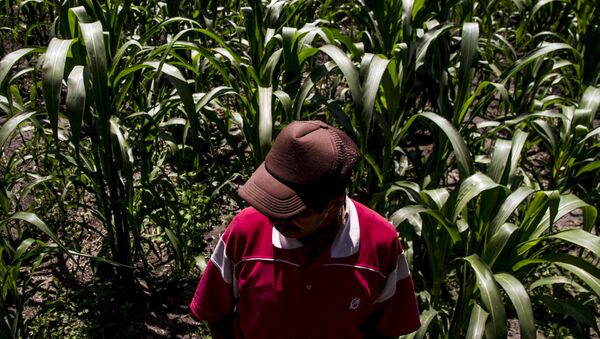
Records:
x=426, y=69
x=487, y=238
x=588, y=27
x=17, y=287
x=572, y=146
x=20, y=253
x=270, y=82
x=112, y=137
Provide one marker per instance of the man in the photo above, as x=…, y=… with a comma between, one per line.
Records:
x=305, y=261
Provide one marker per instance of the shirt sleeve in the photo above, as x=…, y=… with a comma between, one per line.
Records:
x=395, y=311
x=215, y=296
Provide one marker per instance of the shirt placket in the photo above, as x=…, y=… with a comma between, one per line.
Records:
x=310, y=274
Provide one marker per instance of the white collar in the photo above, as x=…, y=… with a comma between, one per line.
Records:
x=345, y=244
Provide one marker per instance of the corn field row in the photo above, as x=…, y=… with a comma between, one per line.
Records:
x=128, y=125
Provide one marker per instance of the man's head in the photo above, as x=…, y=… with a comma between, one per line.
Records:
x=306, y=171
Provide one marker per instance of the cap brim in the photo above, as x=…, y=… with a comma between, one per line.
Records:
x=270, y=196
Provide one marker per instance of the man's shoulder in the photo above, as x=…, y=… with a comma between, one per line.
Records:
x=247, y=224
x=371, y=219
x=250, y=214
x=374, y=225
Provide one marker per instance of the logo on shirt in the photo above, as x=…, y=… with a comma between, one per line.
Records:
x=354, y=303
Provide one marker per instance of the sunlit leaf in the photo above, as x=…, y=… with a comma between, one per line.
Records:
x=477, y=322
x=52, y=77
x=520, y=299
x=490, y=295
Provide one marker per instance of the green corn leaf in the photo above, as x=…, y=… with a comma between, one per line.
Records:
x=182, y=87
x=518, y=143
x=470, y=188
x=418, y=5
x=499, y=88
x=510, y=204
x=406, y=212
x=557, y=280
x=411, y=189
x=553, y=203
x=377, y=67
x=411, y=212
x=212, y=95
x=477, y=322
x=594, y=133
x=350, y=73
x=221, y=124
x=426, y=41
x=77, y=14
x=520, y=299
x=498, y=241
x=580, y=238
x=270, y=67
x=34, y=220
x=178, y=21
x=468, y=49
x=176, y=78
x=94, y=45
x=535, y=55
x=334, y=37
x=459, y=146
x=500, y=159
x=542, y=114
x=265, y=118
x=98, y=259
x=290, y=37
x=315, y=75
x=581, y=313
x=19, y=254
x=76, y=102
x=461, y=151
x=371, y=161
x=39, y=180
x=521, y=4
x=124, y=73
x=119, y=55
x=174, y=242
x=590, y=99
x=435, y=197
x=9, y=60
x=567, y=204
x=232, y=57
x=10, y=126
x=254, y=34
x=539, y=5
x=306, y=53
x=4, y=200
x=587, y=272
x=407, y=15
x=427, y=318
x=126, y=154
x=490, y=295
x=52, y=76
x=532, y=217
x=591, y=167
x=285, y=100
x=547, y=133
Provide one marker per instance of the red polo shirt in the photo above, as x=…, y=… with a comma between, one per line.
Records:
x=277, y=290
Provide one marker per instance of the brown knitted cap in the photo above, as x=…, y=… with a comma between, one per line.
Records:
x=309, y=160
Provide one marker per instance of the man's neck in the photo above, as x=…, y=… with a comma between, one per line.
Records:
x=325, y=235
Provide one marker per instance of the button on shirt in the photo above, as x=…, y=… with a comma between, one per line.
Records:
x=275, y=289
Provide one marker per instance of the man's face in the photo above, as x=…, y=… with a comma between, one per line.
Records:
x=307, y=222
